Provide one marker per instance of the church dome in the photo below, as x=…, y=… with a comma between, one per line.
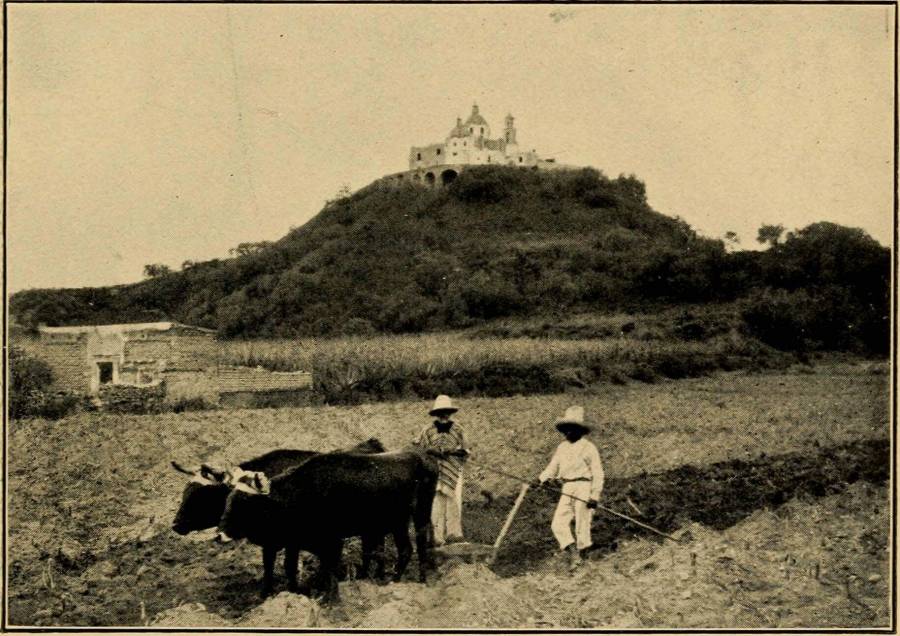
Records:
x=475, y=119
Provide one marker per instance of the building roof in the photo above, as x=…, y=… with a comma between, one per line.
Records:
x=475, y=119
x=123, y=328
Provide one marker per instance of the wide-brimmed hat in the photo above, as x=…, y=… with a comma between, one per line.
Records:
x=442, y=404
x=574, y=416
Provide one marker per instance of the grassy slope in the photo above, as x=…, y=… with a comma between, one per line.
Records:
x=511, y=228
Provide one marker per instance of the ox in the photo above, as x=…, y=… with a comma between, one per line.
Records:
x=203, y=498
x=316, y=505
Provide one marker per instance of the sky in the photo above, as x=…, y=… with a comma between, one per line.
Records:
x=163, y=133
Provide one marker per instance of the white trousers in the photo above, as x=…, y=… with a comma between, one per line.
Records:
x=570, y=509
x=446, y=515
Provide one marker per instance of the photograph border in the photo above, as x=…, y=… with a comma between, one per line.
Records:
x=637, y=4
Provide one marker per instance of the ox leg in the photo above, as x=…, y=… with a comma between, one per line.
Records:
x=423, y=549
x=404, y=549
x=269, y=554
x=291, y=558
x=329, y=564
x=373, y=545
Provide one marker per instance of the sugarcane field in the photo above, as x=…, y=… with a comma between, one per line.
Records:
x=452, y=316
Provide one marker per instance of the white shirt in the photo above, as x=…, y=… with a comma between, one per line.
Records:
x=576, y=461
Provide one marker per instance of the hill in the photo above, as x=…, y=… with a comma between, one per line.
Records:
x=497, y=242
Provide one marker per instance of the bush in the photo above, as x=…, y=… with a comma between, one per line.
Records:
x=29, y=385
x=59, y=405
x=643, y=372
x=779, y=318
x=483, y=184
x=489, y=296
x=190, y=404
x=827, y=319
x=357, y=327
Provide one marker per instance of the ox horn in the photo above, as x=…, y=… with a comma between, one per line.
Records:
x=182, y=469
x=211, y=471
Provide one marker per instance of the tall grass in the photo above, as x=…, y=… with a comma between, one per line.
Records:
x=354, y=369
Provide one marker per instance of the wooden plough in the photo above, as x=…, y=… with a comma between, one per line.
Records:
x=479, y=551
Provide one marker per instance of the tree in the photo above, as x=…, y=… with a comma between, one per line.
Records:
x=770, y=234
x=633, y=186
x=154, y=270
x=732, y=240
x=342, y=193
x=245, y=249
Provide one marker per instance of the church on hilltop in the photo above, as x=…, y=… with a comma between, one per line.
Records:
x=470, y=143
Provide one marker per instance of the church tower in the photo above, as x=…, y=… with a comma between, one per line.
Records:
x=476, y=125
x=509, y=135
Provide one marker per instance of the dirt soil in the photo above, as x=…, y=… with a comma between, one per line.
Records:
x=810, y=563
x=92, y=497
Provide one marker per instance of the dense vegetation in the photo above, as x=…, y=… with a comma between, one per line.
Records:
x=30, y=392
x=498, y=243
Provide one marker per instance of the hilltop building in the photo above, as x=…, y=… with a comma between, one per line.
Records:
x=470, y=143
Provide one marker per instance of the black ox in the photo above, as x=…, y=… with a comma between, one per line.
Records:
x=203, y=499
x=314, y=506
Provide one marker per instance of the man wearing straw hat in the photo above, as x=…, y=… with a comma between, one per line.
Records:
x=444, y=439
x=576, y=465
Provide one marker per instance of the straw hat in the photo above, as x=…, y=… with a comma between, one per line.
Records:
x=442, y=404
x=574, y=417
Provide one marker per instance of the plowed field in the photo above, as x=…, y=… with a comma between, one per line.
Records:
x=92, y=498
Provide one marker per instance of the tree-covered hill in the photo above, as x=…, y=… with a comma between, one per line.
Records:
x=497, y=242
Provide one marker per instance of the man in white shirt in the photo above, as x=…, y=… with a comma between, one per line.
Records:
x=576, y=466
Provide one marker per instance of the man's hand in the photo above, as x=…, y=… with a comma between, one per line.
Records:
x=592, y=504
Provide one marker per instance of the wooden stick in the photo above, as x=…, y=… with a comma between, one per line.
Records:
x=508, y=522
x=599, y=507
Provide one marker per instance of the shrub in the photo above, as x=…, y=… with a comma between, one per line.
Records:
x=488, y=296
x=778, y=318
x=59, y=405
x=29, y=385
x=483, y=184
x=357, y=327
x=827, y=319
x=643, y=372
x=190, y=404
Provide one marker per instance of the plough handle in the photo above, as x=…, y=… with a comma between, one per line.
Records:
x=509, y=520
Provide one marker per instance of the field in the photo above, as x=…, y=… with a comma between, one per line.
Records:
x=778, y=477
x=509, y=358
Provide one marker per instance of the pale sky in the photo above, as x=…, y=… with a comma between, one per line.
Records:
x=162, y=133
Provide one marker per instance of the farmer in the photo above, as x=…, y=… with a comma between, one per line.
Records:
x=444, y=439
x=577, y=468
